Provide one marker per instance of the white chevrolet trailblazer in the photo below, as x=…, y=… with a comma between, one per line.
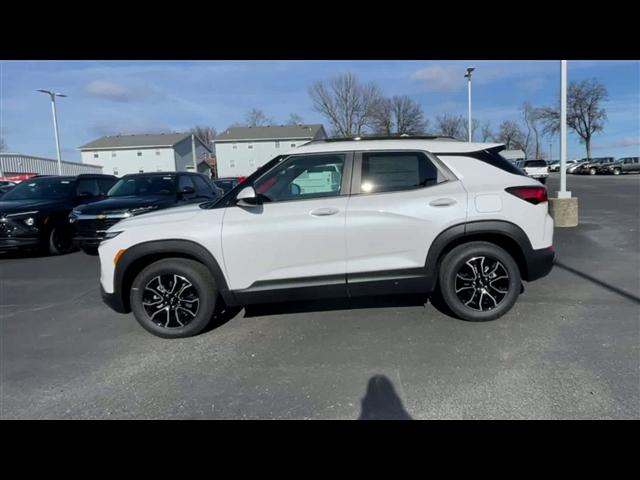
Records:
x=339, y=218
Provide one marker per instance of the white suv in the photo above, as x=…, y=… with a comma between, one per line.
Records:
x=339, y=219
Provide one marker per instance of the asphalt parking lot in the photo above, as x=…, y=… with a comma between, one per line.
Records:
x=568, y=349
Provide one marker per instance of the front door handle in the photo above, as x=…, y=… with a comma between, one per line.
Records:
x=442, y=202
x=323, y=212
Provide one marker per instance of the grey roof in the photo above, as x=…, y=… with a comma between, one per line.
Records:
x=132, y=141
x=271, y=132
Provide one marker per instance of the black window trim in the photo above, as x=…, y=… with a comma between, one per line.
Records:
x=485, y=156
x=356, y=181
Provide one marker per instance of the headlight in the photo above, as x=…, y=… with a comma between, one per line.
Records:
x=110, y=235
x=30, y=221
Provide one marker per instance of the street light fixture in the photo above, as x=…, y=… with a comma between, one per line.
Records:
x=468, y=77
x=53, y=96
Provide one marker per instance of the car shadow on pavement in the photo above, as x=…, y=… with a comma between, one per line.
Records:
x=381, y=402
x=605, y=285
x=20, y=254
x=325, y=305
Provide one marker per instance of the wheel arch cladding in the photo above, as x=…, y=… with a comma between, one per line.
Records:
x=136, y=258
x=504, y=234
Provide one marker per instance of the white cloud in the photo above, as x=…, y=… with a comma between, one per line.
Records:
x=621, y=143
x=114, y=91
x=440, y=78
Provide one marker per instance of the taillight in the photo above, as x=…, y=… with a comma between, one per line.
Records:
x=241, y=179
x=534, y=195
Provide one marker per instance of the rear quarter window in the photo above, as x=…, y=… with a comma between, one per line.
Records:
x=490, y=157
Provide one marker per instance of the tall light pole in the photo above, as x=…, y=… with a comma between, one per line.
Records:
x=468, y=77
x=563, y=131
x=53, y=96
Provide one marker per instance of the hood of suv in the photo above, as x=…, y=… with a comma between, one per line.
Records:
x=167, y=215
x=43, y=205
x=125, y=203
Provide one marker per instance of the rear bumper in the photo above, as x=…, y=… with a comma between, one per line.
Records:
x=114, y=301
x=539, y=263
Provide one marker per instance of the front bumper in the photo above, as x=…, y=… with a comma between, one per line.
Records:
x=113, y=300
x=539, y=263
x=11, y=243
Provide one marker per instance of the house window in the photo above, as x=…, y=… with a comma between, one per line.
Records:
x=293, y=144
x=113, y=154
x=235, y=147
x=140, y=170
x=250, y=146
x=115, y=171
x=139, y=154
x=277, y=144
x=157, y=152
x=95, y=155
x=232, y=163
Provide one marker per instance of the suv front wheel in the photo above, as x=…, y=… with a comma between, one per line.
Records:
x=479, y=281
x=174, y=298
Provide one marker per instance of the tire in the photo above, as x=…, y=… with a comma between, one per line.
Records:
x=616, y=171
x=59, y=241
x=474, y=305
x=184, y=318
x=592, y=171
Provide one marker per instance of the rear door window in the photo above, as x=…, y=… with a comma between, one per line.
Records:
x=397, y=171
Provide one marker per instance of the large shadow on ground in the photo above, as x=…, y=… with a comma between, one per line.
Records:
x=600, y=283
x=381, y=402
x=325, y=305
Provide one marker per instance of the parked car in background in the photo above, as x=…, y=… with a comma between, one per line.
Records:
x=537, y=169
x=6, y=186
x=576, y=165
x=455, y=217
x=228, y=183
x=135, y=194
x=590, y=167
x=35, y=213
x=622, y=165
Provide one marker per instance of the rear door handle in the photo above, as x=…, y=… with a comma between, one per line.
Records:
x=442, y=202
x=324, y=212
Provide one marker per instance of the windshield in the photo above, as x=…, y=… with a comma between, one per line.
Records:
x=143, y=185
x=51, y=188
x=535, y=163
x=226, y=185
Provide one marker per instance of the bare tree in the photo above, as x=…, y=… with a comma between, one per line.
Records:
x=450, y=125
x=474, y=127
x=398, y=115
x=295, y=119
x=257, y=118
x=206, y=134
x=585, y=115
x=485, y=132
x=532, y=120
x=3, y=145
x=512, y=136
x=346, y=104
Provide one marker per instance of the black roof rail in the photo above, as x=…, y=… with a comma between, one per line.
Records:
x=386, y=137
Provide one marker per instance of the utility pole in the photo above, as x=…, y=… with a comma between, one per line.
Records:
x=193, y=151
x=53, y=96
x=468, y=77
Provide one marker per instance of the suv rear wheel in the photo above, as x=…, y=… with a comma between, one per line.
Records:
x=616, y=171
x=174, y=298
x=479, y=281
x=592, y=171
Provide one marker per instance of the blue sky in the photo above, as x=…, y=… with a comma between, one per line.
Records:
x=147, y=96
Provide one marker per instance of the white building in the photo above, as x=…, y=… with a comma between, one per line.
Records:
x=17, y=164
x=241, y=150
x=165, y=152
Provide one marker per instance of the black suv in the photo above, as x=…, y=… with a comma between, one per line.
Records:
x=135, y=194
x=34, y=214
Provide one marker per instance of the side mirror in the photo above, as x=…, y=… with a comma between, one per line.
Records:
x=247, y=197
